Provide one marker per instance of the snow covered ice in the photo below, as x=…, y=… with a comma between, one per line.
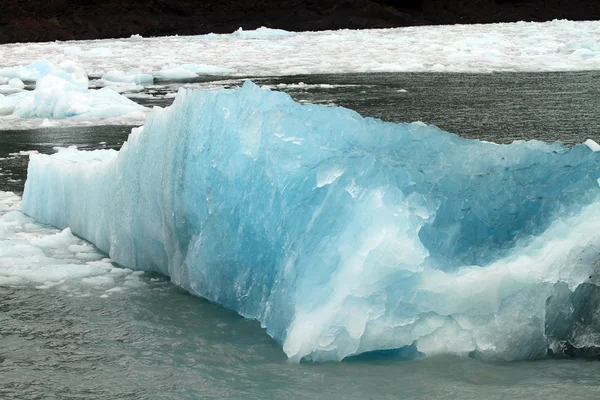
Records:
x=548, y=46
x=342, y=235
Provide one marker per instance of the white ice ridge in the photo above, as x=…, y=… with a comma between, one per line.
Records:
x=39, y=255
x=523, y=46
x=340, y=234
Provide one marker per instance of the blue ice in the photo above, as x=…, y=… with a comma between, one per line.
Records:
x=341, y=234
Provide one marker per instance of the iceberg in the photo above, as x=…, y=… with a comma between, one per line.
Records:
x=342, y=235
x=62, y=93
x=28, y=73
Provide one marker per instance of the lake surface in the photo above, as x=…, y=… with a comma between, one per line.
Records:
x=154, y=341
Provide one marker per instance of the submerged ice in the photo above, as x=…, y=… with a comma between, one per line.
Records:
x=342, y=235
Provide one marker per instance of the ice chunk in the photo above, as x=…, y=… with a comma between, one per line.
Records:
x=63, y=92
x=175, y=73
x=263, y=33
x=340, y=234
x=31, y=72
x=8, y=103
x=93, y=52
x=13, y=85
x=38, y=255
x=16, y=83
x=120, y=87
x=132, y=76
x=30, y=252
x=6, y=90
x=592, y=145
x=203, y=69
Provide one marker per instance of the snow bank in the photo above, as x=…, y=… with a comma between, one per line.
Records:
x=341, y=235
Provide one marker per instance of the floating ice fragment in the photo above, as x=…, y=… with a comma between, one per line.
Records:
x=340, y=234
x=16, y=83
x=132, y=76
x=62, y=93
x=592, y=145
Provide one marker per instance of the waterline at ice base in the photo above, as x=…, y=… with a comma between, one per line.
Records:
x=345, y=235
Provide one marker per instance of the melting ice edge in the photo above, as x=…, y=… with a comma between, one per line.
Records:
x=345, y=235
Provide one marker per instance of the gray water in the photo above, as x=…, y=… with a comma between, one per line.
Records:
x=161, y=343
x=158, y=342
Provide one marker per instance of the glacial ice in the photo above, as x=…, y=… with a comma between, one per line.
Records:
x=132, y=76
x=523, y=46
x=342, y=235
x=62, y=92
x=12, y=85
x=175, y=73
x=189, y=71
x=16, y=83
x=93, y=52
x=28, y=73
x=36, y=254
x=263, y=33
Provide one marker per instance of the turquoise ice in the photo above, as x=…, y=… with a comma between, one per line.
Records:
x=342, y=235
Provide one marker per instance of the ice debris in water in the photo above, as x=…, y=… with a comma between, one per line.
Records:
x=340, y=234
x=31, y=253
x=189, y=71
x=63, y=92
x=522, y=46
x=132, y=76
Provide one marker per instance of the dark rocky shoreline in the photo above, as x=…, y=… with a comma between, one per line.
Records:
x=47, y=20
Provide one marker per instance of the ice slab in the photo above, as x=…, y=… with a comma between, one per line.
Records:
x=342, y=235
